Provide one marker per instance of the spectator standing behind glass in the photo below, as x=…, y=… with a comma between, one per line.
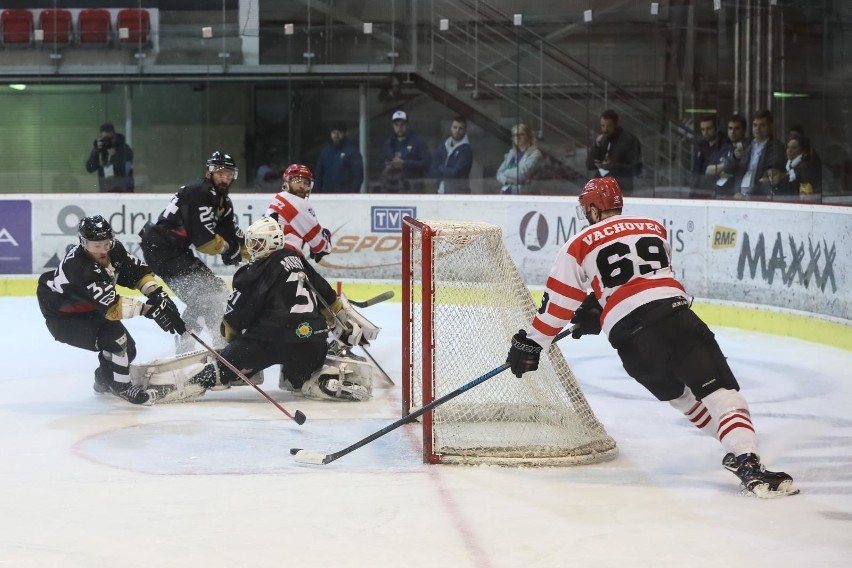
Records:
x=804, y=169
x=751, y=165
x=407, y=158
x=707, y=158
x=615, y=153
x=112, y=158
x=517, y=172
x=453, y=159
x=738, y=143
x=340, y=167
x=268, y=175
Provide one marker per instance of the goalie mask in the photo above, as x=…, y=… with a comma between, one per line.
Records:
x=604, y=193
x=263, y=237
x=96, y=236
x=298, y=180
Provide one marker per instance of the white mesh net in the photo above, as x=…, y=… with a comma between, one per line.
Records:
x=480, y=301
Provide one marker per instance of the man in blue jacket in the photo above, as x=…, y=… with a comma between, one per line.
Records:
x=340, y=167
x=453, y=159
x=406, y=157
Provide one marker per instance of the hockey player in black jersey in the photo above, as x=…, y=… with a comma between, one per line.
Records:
x=277, y=315
x=81, y=306
x=201, y=215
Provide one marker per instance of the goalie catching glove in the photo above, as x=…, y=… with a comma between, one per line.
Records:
x=523, y=355
x=587, y=318
x=164, y=312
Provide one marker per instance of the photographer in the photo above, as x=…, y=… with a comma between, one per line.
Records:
x=112, y=158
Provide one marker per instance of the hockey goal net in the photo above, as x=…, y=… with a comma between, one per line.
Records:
x=463, y=300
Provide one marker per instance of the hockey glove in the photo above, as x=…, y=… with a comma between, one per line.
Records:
x=232, y=256
x=164, y=312
x=587, y=318
x=523, y=355
x=318, y=256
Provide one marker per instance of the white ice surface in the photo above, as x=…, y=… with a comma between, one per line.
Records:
x=91, y=481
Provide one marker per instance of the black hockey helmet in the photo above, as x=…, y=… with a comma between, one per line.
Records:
x=95, y=228
x=220, y=160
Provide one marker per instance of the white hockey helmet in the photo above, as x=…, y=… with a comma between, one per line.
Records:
x=263, y=237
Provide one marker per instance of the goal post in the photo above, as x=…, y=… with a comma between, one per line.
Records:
x=463, y=299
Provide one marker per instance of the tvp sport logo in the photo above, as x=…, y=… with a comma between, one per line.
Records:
x=534, y=231
x=388, y=219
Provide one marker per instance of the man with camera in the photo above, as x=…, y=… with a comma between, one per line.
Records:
x=112, y=158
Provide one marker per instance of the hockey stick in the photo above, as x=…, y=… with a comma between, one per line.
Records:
x=299, y=417
x=376, y=363
x=372, y=301
x=316, y=458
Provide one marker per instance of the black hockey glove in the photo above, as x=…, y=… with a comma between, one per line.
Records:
x=164, y=312
x=318, y=256
x=587, y=318
x=232, y=255
x=523, y=355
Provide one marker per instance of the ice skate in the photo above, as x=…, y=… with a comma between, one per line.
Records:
x=133, y=394
x=102, y=381
x=756, y=479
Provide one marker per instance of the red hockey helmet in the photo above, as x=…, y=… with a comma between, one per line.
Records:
x=294, y=171
x=604, y=193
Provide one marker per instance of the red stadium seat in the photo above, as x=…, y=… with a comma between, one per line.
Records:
x=56, y=25
x=138, y=25
x=93, y=26
x=17, y=27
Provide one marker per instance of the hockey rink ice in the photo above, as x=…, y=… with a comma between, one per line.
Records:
x=90, y=481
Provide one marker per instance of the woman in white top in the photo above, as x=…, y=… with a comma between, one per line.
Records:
x=516, y=173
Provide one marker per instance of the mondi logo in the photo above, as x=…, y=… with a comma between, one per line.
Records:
x=534, y=231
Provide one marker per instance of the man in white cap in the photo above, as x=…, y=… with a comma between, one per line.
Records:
x=406, y=157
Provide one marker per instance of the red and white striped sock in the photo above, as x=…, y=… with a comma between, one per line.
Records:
x=735, y=429
x=695, y=412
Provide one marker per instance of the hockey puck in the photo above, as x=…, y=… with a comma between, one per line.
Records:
x=294, y=451
x=300, y=417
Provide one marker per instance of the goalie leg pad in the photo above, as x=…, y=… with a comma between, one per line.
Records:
x=141, y=373
x=181, y=384
x=340, y=379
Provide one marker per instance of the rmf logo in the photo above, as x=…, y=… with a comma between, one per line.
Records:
x=724, y=237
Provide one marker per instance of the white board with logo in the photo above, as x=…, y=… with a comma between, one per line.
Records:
x=787, y=255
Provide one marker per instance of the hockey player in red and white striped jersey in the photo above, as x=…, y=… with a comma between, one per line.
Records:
x=298, y=219
x=645, y=312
